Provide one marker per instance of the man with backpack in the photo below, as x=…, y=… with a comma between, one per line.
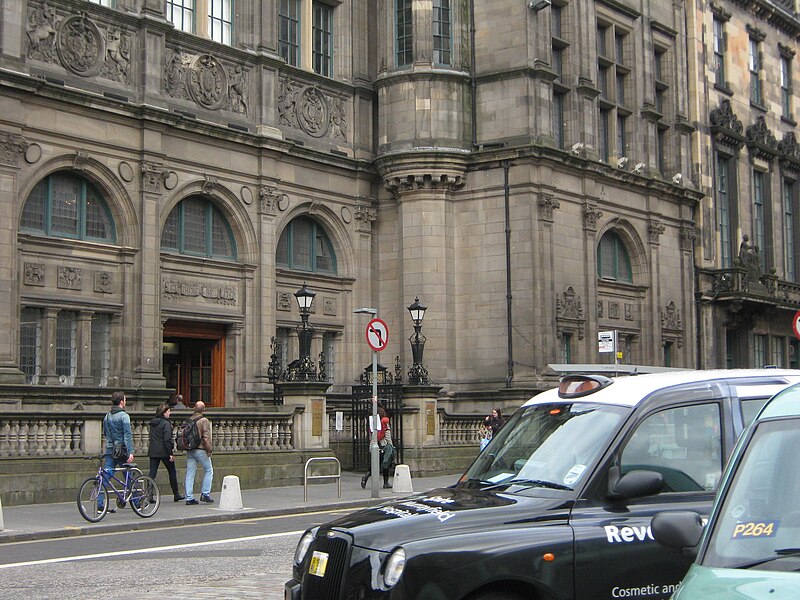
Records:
x=199, y=454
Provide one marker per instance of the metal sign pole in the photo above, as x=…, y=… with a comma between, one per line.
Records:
x=374, y=451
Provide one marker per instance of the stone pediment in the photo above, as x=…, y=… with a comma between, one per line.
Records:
x=761, y=141
x=726, y=126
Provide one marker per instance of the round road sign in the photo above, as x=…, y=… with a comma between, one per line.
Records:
x=377, y=335
x=796, y=324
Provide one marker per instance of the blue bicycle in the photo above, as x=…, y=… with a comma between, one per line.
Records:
x=140, y=491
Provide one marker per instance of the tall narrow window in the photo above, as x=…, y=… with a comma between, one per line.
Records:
x=668, y=354
x=566, y=348
x=30, y=344
x=759, y=350
x=322, y=31
x=612, y=81
x=724, y=211
x=759, y=224
x=622, y=142
x=786, y=86
x=441, y=32
x=789, y=237
x=66, y=347
x=779, y=351
x=661, y=143
x=101, y=349
x=403, y=37
x=754, y=65
x=328, y=348
x=220, y=21
x=559, y=49
x=289, y=35
x=613, y=262
x=181, y=14
x=719, y=52
x=558, y=119
x=603, y=134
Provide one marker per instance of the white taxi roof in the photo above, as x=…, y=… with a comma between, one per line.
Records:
x=631, y=390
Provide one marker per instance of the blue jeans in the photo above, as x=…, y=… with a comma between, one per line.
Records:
x=193, y=457
x=109, y=465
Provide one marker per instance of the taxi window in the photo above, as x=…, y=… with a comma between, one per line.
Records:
x=750, y=408
x=758, y=523
x=683, y=444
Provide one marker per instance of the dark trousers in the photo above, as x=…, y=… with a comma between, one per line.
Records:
x=170, y=465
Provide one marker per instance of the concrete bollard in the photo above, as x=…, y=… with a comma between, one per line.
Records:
x=402, y=480
x=231, y=498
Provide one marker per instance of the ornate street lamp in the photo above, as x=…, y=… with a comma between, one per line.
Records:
x=305, y=368
x=417, y=374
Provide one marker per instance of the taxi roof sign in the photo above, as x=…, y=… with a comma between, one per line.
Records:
x=577, y=386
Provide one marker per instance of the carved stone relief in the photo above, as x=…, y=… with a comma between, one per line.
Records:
x=547, y=204
x=629, y=312
x=78, y=44
x=329, y=306
x=365, y=216
x=312, y=111
x=654, y=230
x=103, y=282
x=205, y=80
x=590, y=216
x=613, y=310
x=688, y=236
x=569, y=313
x=12, y=146
x=173, y=289
x=34, y=274
x=70, y=278
x=284, y=301
x=153, y=175
x=671, y=317
x=271, y=199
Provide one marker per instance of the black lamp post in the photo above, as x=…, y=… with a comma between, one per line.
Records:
x=305, y=368
x=417, y=374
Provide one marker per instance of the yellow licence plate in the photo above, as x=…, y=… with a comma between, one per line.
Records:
x=319, y=562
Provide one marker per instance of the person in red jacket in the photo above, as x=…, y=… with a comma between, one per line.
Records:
x=384, y=442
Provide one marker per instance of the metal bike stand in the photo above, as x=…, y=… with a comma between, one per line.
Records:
x=337, y=475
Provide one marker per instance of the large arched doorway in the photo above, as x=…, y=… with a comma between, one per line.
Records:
x=194, y=361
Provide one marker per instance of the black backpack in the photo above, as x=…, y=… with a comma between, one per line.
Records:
x=188, y=437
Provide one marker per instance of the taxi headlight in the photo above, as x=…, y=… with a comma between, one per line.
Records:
x=394, y=567
x=302, y=547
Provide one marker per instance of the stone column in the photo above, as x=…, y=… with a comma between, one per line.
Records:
x=310, y=430
x=84, y=348
x=48, y=374
x=420, y=416
x=12, y=147
x=12, y=25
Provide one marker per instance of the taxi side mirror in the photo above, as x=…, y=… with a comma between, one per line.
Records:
x=637, y=483
x=678, y=530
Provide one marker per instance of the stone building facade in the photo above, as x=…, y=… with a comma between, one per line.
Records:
x=534, y=172
x=747, y=165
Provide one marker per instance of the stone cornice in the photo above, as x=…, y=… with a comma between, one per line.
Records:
x=726, y=126
x=761, y=141
x=423, y=169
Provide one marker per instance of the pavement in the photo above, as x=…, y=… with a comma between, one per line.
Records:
x=45, y=521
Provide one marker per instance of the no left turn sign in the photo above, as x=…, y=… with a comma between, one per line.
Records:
x=377, y=335
x=796, y=324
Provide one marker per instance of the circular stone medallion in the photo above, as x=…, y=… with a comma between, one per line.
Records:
x=80, y=45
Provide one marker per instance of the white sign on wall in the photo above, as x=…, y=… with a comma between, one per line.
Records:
x=605, y=341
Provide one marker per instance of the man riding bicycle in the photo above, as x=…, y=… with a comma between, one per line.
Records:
x=119, y=437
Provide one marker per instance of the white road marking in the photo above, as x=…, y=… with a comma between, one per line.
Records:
x=49, y=561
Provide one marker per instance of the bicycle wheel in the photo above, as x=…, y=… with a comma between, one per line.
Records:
x=93, y=500
x=145, y=496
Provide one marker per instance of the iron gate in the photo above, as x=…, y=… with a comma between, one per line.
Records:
x=391, y=398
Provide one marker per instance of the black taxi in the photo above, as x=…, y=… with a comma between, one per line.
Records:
x=558, y=505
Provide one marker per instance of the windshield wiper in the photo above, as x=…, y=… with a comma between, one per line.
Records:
x=531, y=482
x=779, y=553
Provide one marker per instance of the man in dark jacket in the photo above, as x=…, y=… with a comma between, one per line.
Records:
x=201, y=456
x=162, y=448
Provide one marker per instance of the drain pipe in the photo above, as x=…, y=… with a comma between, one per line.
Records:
x=473, y=82
x=509, y=320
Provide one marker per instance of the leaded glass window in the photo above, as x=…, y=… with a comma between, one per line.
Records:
x=101, y=349
x=66, y=350
x=613, y=261
x=305, y=246
x=197, y=227
x=30, y=345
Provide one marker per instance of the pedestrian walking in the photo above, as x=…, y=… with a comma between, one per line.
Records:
x=162, y=447
x=386, y=449
x=201, y=456
x=118, y=448
x=494, y=422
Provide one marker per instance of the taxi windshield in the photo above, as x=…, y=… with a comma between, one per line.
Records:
x=758, y=523
x=547, y=446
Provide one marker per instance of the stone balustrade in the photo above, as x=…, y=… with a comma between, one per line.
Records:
x=459, y=430
x=23, y=434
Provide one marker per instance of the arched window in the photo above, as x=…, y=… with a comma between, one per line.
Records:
x=197, y=227
x=66, y=205
x=613, y=261
x=305, y=246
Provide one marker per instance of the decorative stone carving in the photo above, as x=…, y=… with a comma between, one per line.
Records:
x=569, y=313
x=125, y=171
x=173, y=289
x=365, y=216
x=790, y=152
x=613, y=310
x=41, y=31
x=599, y=309
x=118, y=55
x=329, y=306
x=103, y=282
x=671, y=317
x=688, y=236
x=629, y=312
x=175, y=65
x=79, y=160
x=347, y=215
x=153, y=176
x=654, y=230
x=726, y=126
x=208, y=82
x=590, y=216
x=80, y=45
x=760, y=140
x=246, y=194
x=34, y=274
x=12, y=146
x=450, y=181
x=209, y=183
x=312, y=111
x=270, y=199
x=284, y=301
x=70, y=278
x=237, y=90
x=546, y=206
